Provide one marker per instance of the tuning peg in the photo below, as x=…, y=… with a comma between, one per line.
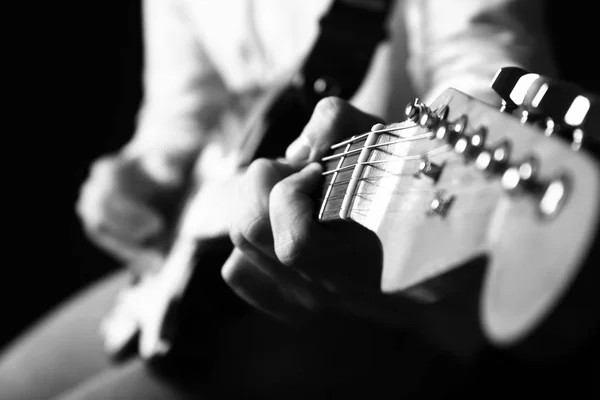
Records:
x=573, y=113
x=451, y=131
x=553, y=100
x=470, y=146
x=525, y=92
x=430, y=169
x=414, y=109
x=504, y=82
x=495, y=159
x=520, y=176
x=440, y=204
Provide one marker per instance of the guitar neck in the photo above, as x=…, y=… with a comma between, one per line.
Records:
x=357, y=169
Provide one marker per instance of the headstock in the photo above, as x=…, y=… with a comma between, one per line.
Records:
x=515, y=301
x=461, y=179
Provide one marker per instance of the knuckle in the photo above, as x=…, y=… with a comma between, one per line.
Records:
x=325, y=127
x=232, y=274
x=238, y=271
x=237, y=236
x=260, y=167
x=246, y=233
x=330, y=107
x=281, y=192
x=292, y=251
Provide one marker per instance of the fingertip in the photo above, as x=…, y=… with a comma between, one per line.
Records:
x=298, y=151
x=314, y=168
x=310, y=174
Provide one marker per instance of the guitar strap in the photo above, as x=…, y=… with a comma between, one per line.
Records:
x=349, y=33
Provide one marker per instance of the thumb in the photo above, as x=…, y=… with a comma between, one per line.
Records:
x=332, y=121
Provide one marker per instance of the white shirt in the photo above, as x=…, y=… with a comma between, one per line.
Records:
x=206, y=56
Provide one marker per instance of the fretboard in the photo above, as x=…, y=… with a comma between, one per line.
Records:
x=352, y=166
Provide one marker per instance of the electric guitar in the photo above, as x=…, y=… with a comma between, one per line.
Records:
x=518, y=188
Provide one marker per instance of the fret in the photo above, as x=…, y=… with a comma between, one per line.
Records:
x=333, y=179
x=345, y=167
x=356, y=175
x=335, y=188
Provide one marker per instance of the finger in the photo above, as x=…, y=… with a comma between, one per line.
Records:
x=342, y=256
x=262, y=291
x=291, y=213
x=333, y=120
x=249, y=223
x=293, y=298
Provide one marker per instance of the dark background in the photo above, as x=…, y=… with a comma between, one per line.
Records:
x=78, y=86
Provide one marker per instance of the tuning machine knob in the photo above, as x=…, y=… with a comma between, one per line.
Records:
x=440, y=204
x=495, y=159
x=430, y=169
x=471, y=145
x=451, y=131
x=504, y=83
x=414, y=109
x=521, y=176
x=569, y=112
x=550, y=194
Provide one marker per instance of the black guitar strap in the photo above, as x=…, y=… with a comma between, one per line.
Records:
x=349, y=33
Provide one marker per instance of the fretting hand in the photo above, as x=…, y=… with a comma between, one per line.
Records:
x=286, y=263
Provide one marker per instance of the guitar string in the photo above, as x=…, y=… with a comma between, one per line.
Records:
x=363, y=194
x=422, y=136
x=408, y=191
x=437, y=150
x=463, y=212
x=354, y=139
x=366, y=194
x=370, y=180
x=376, y=179
x=364, y=212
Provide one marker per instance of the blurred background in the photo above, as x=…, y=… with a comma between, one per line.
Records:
x=78, y=99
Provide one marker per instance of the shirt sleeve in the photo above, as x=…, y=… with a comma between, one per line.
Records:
x=462, y=43
x=183, y=94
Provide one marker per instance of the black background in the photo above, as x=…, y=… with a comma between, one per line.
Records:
x=77, y=86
